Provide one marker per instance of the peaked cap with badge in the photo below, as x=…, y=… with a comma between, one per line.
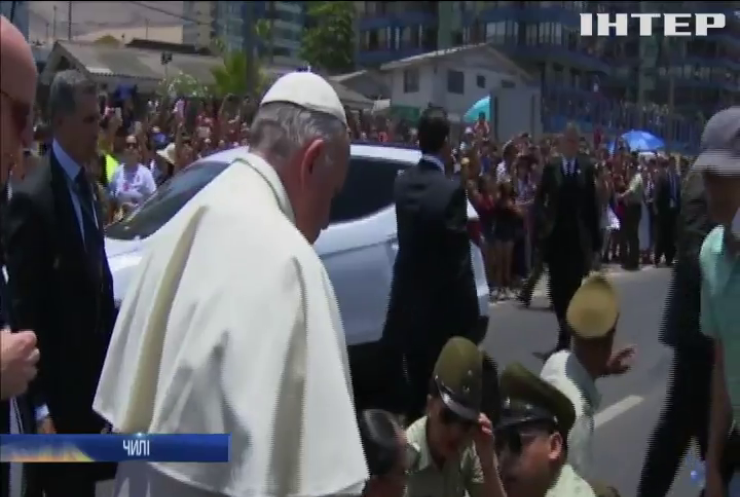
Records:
x=458, y=374
x=530, y=399
x=594, y=309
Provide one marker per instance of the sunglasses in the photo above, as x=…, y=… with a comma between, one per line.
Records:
x=515, y=441
x=451, y=418
x=20, y=112
x=132, y=146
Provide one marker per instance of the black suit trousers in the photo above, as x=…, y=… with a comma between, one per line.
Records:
x=566, y=274
x=685, y=417
x=631, y=233
x=666, y=236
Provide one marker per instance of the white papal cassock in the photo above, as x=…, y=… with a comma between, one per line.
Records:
x=231, y=326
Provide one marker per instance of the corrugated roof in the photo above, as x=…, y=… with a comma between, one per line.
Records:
x=497, y=58
x=138, y=63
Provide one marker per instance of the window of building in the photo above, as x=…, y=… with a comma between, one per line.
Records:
x=480, y=81
x=411, y=80
x=455, y=82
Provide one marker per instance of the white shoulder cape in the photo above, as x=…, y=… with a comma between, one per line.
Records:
x=231, y=326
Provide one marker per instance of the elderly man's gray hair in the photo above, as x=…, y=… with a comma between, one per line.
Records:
x=281, y=128
x=65, y=88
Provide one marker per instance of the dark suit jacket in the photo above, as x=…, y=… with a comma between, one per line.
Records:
x=683, y=303
x=60, y=294
x=663, y=194
x=548, y=198
x=433, y=293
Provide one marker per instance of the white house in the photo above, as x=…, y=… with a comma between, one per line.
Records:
x=454, y=79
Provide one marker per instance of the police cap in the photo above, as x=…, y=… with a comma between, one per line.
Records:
x=594, y=309
x=527, y=398
x=458, y=374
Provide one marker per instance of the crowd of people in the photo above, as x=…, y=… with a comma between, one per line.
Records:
x=230, y=324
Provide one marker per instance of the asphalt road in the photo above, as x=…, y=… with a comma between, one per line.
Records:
x=630, y=403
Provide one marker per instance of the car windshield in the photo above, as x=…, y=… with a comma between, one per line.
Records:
x=165, y=203
x=367, y=189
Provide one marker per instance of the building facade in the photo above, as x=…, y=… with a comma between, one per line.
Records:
x=688, y=76
x=20, y=14
x=230, y=22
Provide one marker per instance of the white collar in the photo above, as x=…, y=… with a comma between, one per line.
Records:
x=434, y=160
x=268, y=173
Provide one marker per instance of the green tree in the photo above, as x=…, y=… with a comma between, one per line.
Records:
x=329, y=37
x=233, y=76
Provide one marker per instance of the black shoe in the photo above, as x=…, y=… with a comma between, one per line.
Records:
x=524, y=299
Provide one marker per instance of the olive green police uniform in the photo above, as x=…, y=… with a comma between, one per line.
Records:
x=527, y=399
x=458, y=374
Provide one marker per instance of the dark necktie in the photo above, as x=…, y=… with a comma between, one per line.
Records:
x=87, y=207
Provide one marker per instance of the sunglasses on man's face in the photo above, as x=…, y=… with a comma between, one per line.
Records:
x=515, y=441
x=451, y=418
x=20, y=112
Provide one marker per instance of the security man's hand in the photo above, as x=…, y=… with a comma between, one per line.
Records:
x=18, y=358
x=46, y=426
x=484, y=439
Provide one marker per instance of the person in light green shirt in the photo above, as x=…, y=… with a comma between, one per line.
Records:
x=454, y=439
x=719, y=163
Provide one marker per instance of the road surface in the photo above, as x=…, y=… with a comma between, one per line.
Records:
x=631, y=403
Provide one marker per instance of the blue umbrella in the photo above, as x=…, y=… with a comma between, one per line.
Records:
x=642, y=141
x=481, y=106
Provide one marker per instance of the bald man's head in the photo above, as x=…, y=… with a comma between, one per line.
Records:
x=17, y=67
x=18, y=78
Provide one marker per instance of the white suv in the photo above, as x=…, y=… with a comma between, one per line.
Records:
x=358, y=248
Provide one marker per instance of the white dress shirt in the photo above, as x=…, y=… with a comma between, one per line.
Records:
x=569, y=166
x=564, y=371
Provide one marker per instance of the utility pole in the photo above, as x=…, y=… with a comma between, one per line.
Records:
x=69, y=20
x=54, y=25
x=248, y=22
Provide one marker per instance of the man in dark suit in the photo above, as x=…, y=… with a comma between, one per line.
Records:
x=667, y=203
x=433, y=295
x=685, y=415
x=568, y=223
x=19, y=354
x=59, y=278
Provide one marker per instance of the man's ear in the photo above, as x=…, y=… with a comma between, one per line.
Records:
x=557, y=447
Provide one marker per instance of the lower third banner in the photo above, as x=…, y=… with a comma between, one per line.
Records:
x=114, y=448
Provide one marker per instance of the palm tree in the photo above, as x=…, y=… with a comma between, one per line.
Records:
x=232, y=76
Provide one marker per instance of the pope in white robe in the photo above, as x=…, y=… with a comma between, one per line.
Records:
x=231, y=326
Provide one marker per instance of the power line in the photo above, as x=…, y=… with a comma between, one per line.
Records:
x=167, y=12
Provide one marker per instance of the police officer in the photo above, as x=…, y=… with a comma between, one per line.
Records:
x=530, y=439
x=592, y=316
x=454, y=439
